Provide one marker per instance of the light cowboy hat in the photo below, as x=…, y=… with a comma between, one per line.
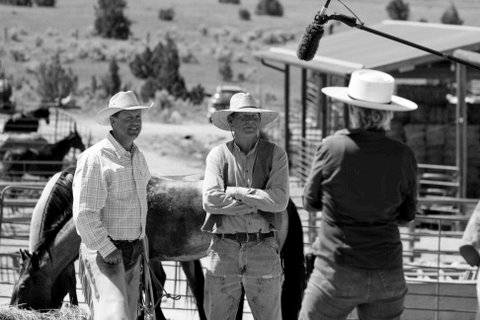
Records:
x=123, y=100
x=244, y=103
x=371, y=89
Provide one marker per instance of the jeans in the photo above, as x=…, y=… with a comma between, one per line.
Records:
x=333, y=291
x=111, y=290
x=255, y=266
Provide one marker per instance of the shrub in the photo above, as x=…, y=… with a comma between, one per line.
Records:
x=111, y=82
x=450, y=16
x=45, y=3
x=197, y=94
x=110, y=21
x=244, y=14
x=398, y=10
x=93, y=84
x=269, y=7
x=166, y=14
x=23, y=3
x=230, y=1
x=225, y=70
x=54, y=81
x=160, y=68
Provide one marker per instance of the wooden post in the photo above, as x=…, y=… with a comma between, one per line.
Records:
x=287, y=107
x=460, y=128
x=462, y=121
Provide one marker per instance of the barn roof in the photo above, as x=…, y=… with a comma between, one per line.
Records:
x=344, y=52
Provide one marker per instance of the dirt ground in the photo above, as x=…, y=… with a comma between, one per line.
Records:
x=170, y=149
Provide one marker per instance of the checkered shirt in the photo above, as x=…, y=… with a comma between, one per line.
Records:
x=110, y=195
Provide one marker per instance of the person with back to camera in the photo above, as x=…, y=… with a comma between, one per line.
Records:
x=366, y=185
x=110, y=210
x=245, y=194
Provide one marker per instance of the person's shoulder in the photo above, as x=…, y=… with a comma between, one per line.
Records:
x=337, y=136
x=217, y=150
x=278, y=148
x=93, y=151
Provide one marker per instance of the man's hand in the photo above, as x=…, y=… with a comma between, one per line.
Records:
x=230, y=192
x=114, y=258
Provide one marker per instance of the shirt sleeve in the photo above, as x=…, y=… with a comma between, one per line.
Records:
x=471, y=235
x=274, y=198
x=89, y=197
x=408, y=208
x=312, y=193
x=215, y=199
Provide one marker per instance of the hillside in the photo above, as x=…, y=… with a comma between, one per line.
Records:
x=203, y=31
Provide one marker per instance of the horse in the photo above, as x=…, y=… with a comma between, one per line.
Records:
x=44, y=161
x=26, y=121
x=174, y=218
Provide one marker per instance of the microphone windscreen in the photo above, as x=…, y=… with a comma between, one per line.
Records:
x=310, y=40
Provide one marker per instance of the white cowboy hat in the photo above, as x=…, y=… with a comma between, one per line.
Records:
x=245, y=103
x=371, y=89
x=123, y=100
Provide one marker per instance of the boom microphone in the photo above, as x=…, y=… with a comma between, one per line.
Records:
x=313, y=33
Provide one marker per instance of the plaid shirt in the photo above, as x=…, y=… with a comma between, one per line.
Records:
x=110, y=195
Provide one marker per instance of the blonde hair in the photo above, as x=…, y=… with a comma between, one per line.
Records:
x=365, y=118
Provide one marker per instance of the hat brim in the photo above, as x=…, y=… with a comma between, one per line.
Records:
x=219, y=118
x=397, y=103
x=103, y=116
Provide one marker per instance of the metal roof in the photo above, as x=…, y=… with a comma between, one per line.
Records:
x=344, y=52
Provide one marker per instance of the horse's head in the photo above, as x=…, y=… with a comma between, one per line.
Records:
x=42, y=113
x=33, y=290
x=76, y=140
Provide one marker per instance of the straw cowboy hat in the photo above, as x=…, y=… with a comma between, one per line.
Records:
x=244, y=103
x=371, y=89
x=123, y=100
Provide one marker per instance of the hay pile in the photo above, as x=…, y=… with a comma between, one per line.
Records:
x=65, y=313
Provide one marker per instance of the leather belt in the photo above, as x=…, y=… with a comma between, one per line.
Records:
x=245, y=237
x=125, y=243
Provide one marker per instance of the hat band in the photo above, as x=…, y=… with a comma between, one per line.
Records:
x=353, y=98
x=246, y=107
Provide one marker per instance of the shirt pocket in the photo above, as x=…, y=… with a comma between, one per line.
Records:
x=123, y=185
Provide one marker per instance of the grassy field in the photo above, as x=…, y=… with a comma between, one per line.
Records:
x=201, y=29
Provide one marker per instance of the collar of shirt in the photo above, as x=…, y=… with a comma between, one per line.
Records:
x=239, y=151
x=119, y=149
x=244, y=165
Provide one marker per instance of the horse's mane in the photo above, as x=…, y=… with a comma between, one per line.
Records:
x=57, y=211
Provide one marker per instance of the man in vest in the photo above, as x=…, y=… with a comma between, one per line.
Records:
x=245, y=194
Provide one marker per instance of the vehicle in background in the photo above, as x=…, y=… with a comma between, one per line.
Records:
x=221, y=99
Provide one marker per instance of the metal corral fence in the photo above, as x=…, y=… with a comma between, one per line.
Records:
x=21, y=152
x=441, y=285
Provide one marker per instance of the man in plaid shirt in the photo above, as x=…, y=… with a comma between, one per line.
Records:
x=109, y=211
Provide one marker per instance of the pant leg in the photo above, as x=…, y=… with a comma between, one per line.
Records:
x=262, y=278
x=132, y=282
x=222, y=281
x=104, y=286
x=387, y=292
x=332, y=292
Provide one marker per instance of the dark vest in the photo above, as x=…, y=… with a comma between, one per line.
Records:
x=260, y=176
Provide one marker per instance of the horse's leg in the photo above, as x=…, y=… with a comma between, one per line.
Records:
x=72, y=284
x=196, y=281
x=160, y=276
x=65, y=283
x=294, y=265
